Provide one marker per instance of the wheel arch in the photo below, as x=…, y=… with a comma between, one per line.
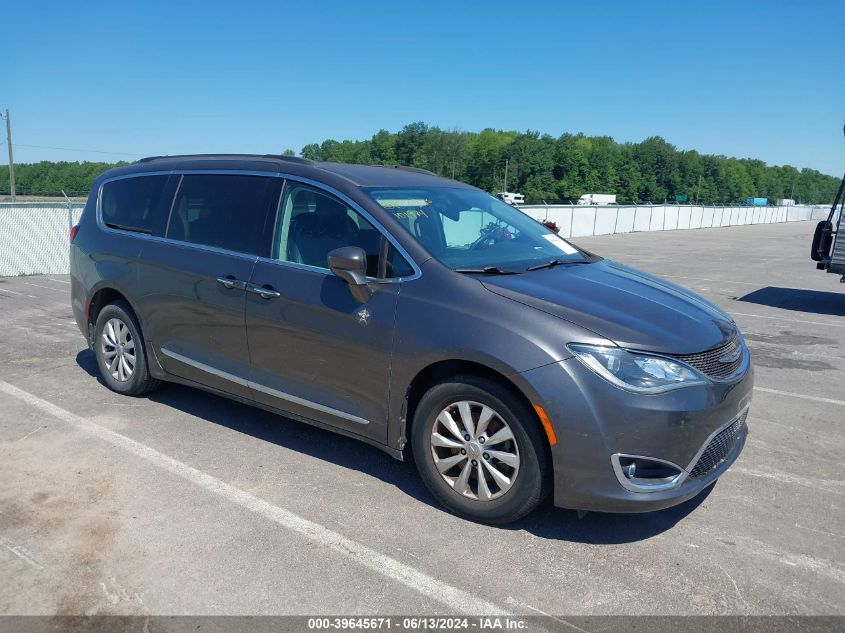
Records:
x=442, y=370
x=101, y=297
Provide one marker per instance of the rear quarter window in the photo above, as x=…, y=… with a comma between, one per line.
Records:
x=220, y=210
x=130, y=204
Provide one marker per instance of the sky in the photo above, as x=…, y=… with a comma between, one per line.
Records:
x=120, y=80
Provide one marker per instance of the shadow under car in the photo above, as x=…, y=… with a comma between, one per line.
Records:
x=547, y=521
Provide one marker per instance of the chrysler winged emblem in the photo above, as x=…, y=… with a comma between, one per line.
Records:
x=731, y=356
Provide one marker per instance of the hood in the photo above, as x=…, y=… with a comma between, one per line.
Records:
x=632, y=308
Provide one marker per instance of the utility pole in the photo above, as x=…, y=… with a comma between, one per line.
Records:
x=698, y=193
x=506, y=175
x=11, y=157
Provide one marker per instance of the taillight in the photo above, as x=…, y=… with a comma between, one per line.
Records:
x=73, y=231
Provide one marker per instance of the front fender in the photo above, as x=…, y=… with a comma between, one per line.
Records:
x=452, y=317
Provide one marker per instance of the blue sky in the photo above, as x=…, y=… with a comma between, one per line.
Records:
x=763, y=80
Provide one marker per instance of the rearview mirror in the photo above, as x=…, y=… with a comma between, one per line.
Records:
x=350, y=264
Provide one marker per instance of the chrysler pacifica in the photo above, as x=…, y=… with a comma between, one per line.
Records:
x=418, y=314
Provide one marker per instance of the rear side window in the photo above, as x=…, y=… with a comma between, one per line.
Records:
x=130, y=203
x=220, y=210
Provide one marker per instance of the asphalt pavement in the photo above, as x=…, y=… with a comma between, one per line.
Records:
x=187, y=503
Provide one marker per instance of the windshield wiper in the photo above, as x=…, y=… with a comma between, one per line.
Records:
x=556, y=262
x=487, y=270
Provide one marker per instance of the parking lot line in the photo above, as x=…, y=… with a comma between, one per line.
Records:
x=835, y=486
x=777, y=318
x=800, y=395
x=719, y=281
x=20, y=294
x=447, y=595
x=53, y=288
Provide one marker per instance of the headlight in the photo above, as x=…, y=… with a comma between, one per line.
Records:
x=642, y=373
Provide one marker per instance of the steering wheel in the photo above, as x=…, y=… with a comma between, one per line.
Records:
x=484, y=241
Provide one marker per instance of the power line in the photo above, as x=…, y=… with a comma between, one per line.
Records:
x=77, y=149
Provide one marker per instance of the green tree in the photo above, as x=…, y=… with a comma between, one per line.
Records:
x=540, y=166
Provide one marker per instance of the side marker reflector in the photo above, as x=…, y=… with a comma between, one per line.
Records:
x=547, y=425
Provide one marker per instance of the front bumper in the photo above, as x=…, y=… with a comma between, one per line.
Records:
x=594, y=420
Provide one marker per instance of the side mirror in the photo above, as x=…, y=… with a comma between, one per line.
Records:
x=350, y=264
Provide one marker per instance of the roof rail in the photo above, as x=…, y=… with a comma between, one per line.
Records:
x=418, y=170
x=292, y=159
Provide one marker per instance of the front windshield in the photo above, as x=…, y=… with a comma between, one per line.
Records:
x=469, y=229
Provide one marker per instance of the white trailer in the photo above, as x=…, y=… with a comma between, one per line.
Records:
x=597, y=198
x=785, y=202
x=510, y=197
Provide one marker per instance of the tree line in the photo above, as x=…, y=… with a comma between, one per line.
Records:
x=48, y=178
x=542, y=167
x=545, y=168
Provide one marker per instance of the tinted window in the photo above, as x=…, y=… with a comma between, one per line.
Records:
x=130, y=203
x=396, y=266
x=220, y=210
x=312, y=223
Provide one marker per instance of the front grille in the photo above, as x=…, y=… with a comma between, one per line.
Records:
x=720, y=447
x=708, y=362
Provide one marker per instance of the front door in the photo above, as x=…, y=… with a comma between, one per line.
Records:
x=194, y=279
x=317, y=352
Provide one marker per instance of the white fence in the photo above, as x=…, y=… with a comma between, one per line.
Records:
x=34, y=236
x=584, y=220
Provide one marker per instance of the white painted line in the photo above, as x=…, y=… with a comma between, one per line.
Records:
x=61, y=281
x=447, y=595
x=517, y=603
x=831, y=485
x=719, y=281
x=53, y=288
x=800, y=396
x=33, y=432
x=801, y=321
x=830, y=568
x=20, y=294
x=23, y=553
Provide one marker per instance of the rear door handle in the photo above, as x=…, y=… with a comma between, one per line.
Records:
x=263, y=291
x=230, y=282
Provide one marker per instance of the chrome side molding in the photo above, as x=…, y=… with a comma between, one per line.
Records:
x=262, y=388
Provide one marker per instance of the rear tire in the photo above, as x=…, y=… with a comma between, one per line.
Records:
x=120, y=352
x=500, y=473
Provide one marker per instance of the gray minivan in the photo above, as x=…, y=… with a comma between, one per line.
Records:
x=418, y=314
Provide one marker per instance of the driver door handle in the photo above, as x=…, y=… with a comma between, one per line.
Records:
x=264, y=292
x=230, y=282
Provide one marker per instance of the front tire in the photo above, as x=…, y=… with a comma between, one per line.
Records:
x=479, y=451
x=120, y=352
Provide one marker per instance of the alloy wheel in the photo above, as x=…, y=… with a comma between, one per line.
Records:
x=475, y=450
x=118, y=350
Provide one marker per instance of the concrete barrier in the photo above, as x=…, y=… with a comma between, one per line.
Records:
x=34, y=235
